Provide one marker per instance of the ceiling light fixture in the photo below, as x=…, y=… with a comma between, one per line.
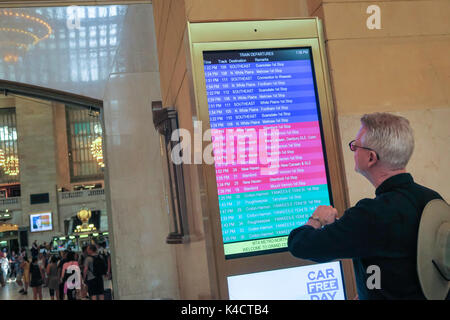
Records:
x=2, y=158
x=97, y=151
x=21, y=31
x=11, y=165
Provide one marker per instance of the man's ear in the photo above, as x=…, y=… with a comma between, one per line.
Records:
x=373, y=159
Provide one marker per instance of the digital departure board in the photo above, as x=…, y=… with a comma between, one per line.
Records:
x=269, y=153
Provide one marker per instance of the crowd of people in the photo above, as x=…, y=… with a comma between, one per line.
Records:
x=67, y=275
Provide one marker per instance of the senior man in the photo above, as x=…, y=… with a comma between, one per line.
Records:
x=380, y=231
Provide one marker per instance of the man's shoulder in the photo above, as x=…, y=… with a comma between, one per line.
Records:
x=427, y=193
x=367, y=205
x=394, y=198
x=413, y=193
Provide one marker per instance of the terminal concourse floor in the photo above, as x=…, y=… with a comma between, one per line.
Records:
x=11, y=292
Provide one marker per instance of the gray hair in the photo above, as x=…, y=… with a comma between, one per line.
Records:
x=390, y=136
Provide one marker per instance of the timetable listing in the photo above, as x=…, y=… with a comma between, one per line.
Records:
x=294, y=157
x=270, y=213
x=267, y=145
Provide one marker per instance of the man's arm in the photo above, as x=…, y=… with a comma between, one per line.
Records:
x=348, y=237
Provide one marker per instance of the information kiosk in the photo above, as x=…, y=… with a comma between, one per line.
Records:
x=262, y=90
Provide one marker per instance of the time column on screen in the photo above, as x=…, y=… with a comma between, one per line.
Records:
x=218, y=91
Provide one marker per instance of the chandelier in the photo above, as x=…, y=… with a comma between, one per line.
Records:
x=19, y=32
x=11, y=165
x=2, y=158
x=97, y=151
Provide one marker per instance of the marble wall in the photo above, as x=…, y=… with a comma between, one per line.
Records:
x=144, y=266
x=401, y=68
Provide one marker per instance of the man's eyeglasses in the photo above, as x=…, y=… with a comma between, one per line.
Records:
x=353, y=148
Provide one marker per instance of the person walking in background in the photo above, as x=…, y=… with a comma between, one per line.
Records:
x=34, y=249
x=23, y=253
x=14, y=265
x=104, y=253
x=36, y=278
x=61, y=263
x=19, y=272
x=52, y=276
x=106, y=256
x=4, y=265
x=94, y=270
x=26, y=274
x=43, y=248
x=42, y=265
x=71, y=276
x=81, y=259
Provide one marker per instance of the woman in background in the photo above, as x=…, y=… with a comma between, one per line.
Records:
x=71, y=276
x=61, y=262
x=25, y=265
x=36, y=278
x=19, y=263
x=52, y=276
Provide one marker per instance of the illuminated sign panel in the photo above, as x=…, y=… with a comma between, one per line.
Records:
x=41, y=222
x=268, y=148
x=314, y=282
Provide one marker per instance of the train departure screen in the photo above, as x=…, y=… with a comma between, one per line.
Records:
x=269, y=153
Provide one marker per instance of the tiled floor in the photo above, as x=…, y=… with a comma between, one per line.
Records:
x=11, y=292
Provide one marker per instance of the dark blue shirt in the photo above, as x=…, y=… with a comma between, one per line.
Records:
x=381, y=231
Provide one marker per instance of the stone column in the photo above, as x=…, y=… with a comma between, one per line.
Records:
x=144, y=266
x=38, y=174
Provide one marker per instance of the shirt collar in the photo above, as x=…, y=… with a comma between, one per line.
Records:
x=394, y=181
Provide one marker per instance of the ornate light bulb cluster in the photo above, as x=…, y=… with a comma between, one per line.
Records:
x=2, y=158
x=97, y=151
x=9, y=164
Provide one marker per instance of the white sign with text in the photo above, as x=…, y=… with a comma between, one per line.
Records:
x=314, y=282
